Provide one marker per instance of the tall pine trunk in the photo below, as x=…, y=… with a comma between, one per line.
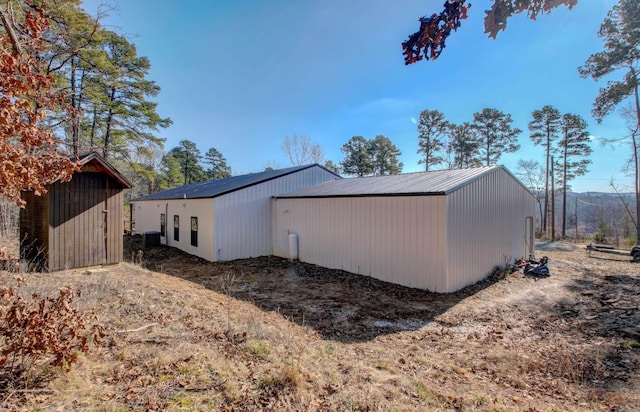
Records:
x=107, y=133
x=75, y=115
x=636, y=159
x=564, y=183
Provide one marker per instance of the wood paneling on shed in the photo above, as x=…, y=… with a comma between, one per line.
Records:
x=77, y=224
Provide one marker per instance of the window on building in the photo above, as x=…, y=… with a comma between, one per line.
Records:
x=194, y=231
x=163, y=224
x=176, y=228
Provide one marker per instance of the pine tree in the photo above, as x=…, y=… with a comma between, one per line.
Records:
x=357, y=159
x=495, y=134
x=169, y=175
x=218, y=164
x=575, y=151
x=384, y=156
x=621, y=34
x=545, y=128
x=124, y=108
x=463, y=143
x=188, y=157
x=432, y=128
x=74, y=37
x=332, y=166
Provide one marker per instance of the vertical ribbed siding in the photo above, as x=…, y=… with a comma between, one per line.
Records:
x=34, y=234
x=243, y=218
x=486, y=227
x=77, y=224
x=395, y=239
x=431, y=242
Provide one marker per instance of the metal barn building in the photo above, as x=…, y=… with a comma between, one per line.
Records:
x=223, y=219
x=439, y=231
x=76, y=223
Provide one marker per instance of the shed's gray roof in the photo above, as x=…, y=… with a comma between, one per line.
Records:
x=214, y=188
x=439, y=182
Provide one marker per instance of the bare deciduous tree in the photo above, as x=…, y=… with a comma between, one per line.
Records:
x=301, y=150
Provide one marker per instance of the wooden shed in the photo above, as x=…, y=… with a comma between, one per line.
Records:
x=76, y=223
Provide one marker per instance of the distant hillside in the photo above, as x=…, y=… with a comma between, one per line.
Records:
x=606, y=213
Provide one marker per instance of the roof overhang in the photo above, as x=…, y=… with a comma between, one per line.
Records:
x=93, y=162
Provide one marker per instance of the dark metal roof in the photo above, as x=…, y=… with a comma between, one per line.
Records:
x=214, y=188
x=439, y=182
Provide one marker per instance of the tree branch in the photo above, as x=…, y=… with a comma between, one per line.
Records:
x=17, y=49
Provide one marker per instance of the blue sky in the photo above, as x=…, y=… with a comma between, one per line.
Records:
x=240, y=75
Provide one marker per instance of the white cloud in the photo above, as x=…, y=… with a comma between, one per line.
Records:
x=385, y=104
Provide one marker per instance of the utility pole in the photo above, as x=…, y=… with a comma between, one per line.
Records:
x=576, y=210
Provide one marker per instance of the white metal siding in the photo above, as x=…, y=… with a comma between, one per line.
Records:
x=431, y=242
x=486, y=227
x=147, y=216
x=394, y=239
x=243, y=217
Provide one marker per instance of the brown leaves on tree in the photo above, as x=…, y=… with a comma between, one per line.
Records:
x=428, y=42
x=496, y=18
x=30, y=156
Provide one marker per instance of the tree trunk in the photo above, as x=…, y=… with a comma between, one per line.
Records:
x=15, y=44
x=488, y=148
x=553, y=204
x=93, y=127
x=75, y=121
x=79, y=102
x=107, y=133
x=564, y=184
x=546, y=184
x=636, y=160
x=576, y=209
x=427, y=156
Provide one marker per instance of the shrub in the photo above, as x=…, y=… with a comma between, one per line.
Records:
x=599, y=237
x=39, y=333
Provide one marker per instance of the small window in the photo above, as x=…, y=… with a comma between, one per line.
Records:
x=194, y=231
x=176, y=228
x=163, y=224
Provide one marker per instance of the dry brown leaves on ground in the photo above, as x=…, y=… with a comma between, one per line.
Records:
x=268, y=334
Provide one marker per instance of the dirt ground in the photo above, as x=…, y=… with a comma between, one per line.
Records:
x=269, y=334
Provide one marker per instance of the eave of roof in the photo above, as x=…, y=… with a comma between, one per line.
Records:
x=219, y=187
x=435, y=183
x=104, y=166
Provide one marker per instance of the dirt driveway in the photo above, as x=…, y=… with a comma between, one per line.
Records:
x=588, y=304
x=269, y=334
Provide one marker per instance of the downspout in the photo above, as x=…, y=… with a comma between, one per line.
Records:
x=166, y=224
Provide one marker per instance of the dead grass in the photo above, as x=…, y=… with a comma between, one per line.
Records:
x=267, y=334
